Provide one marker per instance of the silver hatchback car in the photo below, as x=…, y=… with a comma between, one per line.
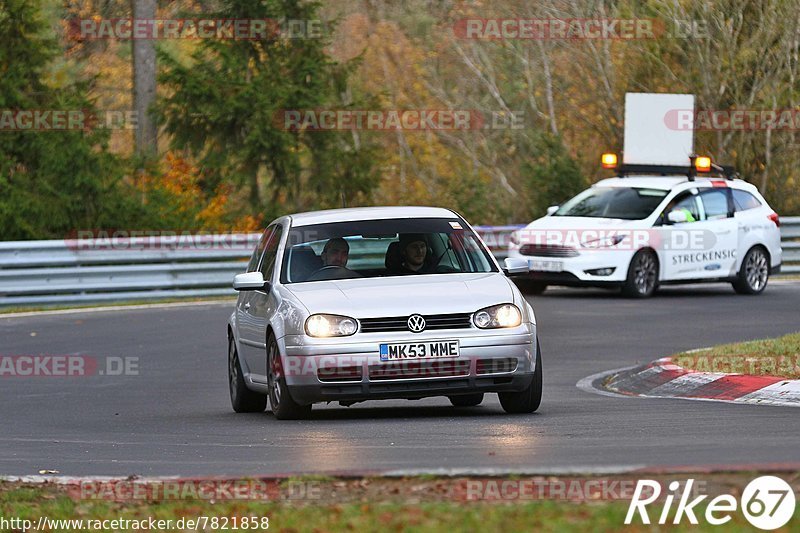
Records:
x=375, y=303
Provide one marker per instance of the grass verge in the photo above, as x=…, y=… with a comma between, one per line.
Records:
x=384, y=504
x=763, y=357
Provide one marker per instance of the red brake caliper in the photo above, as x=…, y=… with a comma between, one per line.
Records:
x=275, y=365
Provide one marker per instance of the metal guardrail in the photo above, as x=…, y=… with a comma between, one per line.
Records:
x=75, y=271
x=34, y=273
x=790, y=242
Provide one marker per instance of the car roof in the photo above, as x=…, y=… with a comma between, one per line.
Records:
x=668, y=183
x=368, y=213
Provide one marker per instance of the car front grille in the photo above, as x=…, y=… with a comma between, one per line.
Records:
x=400, y=323
x=419, y=369
x=548, y=250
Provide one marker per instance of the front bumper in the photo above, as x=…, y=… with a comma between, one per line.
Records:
x=577, y=270
x=350, y=369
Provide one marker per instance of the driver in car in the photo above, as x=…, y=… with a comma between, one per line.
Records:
x=334, y=261
x=335, y=252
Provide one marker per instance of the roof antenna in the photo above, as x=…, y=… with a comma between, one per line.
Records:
x=692, y=170
x=344, y=200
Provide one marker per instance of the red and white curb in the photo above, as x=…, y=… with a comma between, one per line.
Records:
x=665, y=379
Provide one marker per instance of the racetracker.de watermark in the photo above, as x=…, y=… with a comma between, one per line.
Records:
x=554, y=28
x=578, y=29
x=532, y=240
x=404, y=365
x=119, y=240
x=193, y=28
x=61, y=366
x=579, y=489
x=733, y=119
x=191, y=489
x=66, y=120
x=391, y=119
x=740, y=364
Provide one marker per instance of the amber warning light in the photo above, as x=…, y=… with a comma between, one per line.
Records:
x=609, y=160
x=702, y=163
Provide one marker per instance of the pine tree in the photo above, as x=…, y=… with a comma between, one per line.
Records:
x=51, y=182
x=225, y=104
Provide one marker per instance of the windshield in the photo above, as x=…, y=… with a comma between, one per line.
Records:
x=375, y=248
x=629, y=203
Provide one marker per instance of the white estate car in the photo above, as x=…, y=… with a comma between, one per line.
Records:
x=637, y=232
x=376, y=303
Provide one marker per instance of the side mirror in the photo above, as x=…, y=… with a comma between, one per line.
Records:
x=249, y=281
x=552, y=209
x=677, y=216
x=516, y=265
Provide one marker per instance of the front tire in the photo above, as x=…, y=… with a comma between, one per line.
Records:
x=280, y=400
x=243, y=400
x=754, y=272
x=467, y=400
x=528, y=400
x=642, y=280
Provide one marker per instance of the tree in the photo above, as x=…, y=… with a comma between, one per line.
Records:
x=144, y=82
x=226, y=103
x=51, y=182
x=553, y=176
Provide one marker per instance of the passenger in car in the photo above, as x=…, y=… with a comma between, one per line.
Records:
x=413, y=249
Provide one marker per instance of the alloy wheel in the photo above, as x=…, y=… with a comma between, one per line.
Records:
x=756, y=271
x=274, y=375
x=645, y=273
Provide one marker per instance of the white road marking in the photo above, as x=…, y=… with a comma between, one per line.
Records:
x=228, y=302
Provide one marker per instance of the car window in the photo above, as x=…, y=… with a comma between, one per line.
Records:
x=364, y=253
x=686, y=201
x=743, y=200
x=715, y=203
x=440, y=245
x=473, y=253
x=252, y=265
x=629, y=203
x=375, y=248
x=271, y=253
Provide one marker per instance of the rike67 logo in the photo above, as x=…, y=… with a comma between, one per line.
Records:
x=767, y=502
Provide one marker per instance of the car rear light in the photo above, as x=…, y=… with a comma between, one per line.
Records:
x=775, y=218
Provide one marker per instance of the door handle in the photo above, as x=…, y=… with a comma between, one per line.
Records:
x=247, y=305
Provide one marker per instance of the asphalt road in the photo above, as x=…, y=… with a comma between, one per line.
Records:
x=174, y=417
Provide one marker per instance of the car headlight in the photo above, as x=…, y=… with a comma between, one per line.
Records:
x=498, y=316
x=330, y=326
x=604, y=242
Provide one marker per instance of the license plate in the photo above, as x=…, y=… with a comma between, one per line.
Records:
x=547, y=266
x=419, y=350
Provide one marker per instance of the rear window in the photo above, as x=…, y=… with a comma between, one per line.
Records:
x=743, y=200
x=715, y=203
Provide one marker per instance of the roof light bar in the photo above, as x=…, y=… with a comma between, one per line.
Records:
x=609, y=160
x=697, y=165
